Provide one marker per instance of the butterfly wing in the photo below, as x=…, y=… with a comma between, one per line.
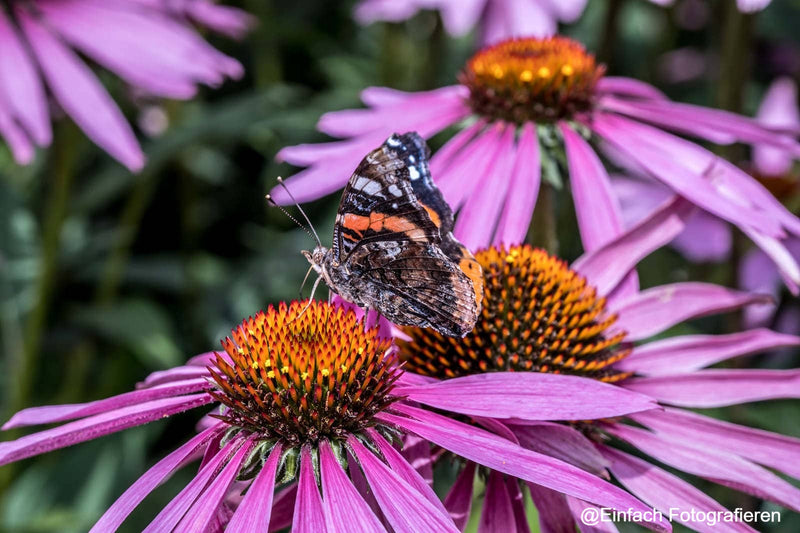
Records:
x=415, y=284
x=394, y=235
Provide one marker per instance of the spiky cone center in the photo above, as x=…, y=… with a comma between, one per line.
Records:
x=538, y=316
x=323, y=375
x=532, y=80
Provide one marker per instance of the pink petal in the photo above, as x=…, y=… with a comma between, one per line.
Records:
x=398, y=117
x=578, y=507
x=720, y=387
x=368, y=11
x=283, y=509
x=713, y=464
x=499, y=454
x=645, y=146
x=59, y=413
x=417, y=453
x=254, y=512
x=459, y=500
x=97, y=426
x=168, y=518
x=464, y=176
x=518, y=505
x=445, y=157
x=605, y=267
x=778, y=108
x=629, y=87
x=524, y=186
x=781, y=256
x=21, y=90
x=309, y=514
x=404, y=507
x=460, y=17
x=679, y=355
x=554, y=513
x=497, y=515
x=476, y=222
x=655, y=310
x=665, y=491
x=82, y=96
x=204, y=509
x=406, y=471
x=229, y=21
x=345, y=509
x=598, y=212
x=751, y=6
x=21, y=147
x=706, y=238
x=562, y=442
x=119, y=511
x=527, y=396
x=769, y=449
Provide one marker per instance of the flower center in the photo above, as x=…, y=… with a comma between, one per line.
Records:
x=538, y=316
x=322, y=375
x=532, y=79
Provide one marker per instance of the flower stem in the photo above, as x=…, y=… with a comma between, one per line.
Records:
x=54, y=214
x=542, y=233
x=605, y=51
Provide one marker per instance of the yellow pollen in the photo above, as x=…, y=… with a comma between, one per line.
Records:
x=271, y=374
x=304, y=375
x=526, y=75
x=284, y=369
x=567, y=70
x=544, y=72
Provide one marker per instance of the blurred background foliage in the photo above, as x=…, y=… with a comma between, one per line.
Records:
x=106, y=276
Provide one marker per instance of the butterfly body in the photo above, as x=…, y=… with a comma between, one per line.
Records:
x=393, y=248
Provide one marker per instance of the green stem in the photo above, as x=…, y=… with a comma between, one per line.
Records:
x=733, y=73
x=542, y=233
x=55, y=211
x=605, y=50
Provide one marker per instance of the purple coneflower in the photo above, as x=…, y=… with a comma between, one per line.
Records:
x=542, y=316
x=530, y=105
x=497, y=19
x=309, y=403
x=148, y=43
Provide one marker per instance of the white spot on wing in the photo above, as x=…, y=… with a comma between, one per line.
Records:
x=395, y=190
x=413, y=173
x=367, y=185
x=393, y=141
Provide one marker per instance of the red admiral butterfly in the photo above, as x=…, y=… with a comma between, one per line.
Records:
x=393, y=247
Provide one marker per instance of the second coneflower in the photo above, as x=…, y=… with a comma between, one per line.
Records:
x=309, y=405
x=526, y=107
x=542, y=316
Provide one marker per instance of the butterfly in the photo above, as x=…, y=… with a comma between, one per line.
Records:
x=393, y=246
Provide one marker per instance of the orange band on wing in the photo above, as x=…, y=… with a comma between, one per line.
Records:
x=434, y=216
x=356, y=222
x=470, y=266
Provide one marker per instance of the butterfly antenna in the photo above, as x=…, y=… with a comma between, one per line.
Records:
x=310, y=225
x=305, y=279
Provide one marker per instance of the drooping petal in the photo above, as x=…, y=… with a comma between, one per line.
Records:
x=518, y=505
x=499, y=454
x=204, y=509
x=684, y=354
x=606, y=266
x=782, y=258
x=345, y=509
x=463, y=178
x=498, y=514
x=460, y=17
x=178, y=373
x=554, y=513
x=254, y=512
x=459, y=500
x=97, y=426
x=528, y=396
x=665, y=491
x=769, y=449
x=405, y=470
x=645, y=146
x=719, y=387
x=751, y=6
x=654, y=310
x=417, y=453
x=283, y=509
x=444, y=157
x=404, y=507
x=629, y=87
x=167, y=520
x=778, y=108
x=711, y=463
x=59, y=413
x=475, y=224
x=596, y=207
x=230, y=21
x=122, y=507
x=603, y=524
x=562, y=442
x=81, y=95
x=309, y=513
x=21, y=90
x=524, y=186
